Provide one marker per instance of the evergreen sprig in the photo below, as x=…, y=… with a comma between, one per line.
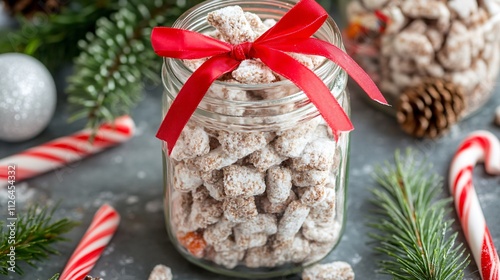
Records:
x=411, y=228
x=52, y=38
x=36, y=232
x=116, y=60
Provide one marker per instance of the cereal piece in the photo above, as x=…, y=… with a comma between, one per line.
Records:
x=317, y=155
x=300, y=249
x=313, y=195
x=225, y=245
x=397, y=19
x=281, y=247
x=329, y=232
x=216, y=190
x=240, y=209
x=241, y=144
x=205, y=210
x=310, y=178
x=228, y=259
x=215, y=159
x=185, y=179
x=325, y=211
x=256, y=23
x=275, y=208
x=303, y=59
x=161, y=272
x=193, y=142
x=259, y=257
x=415, y=46
x=253, y=72
x=433, y=10
x=279, y=184
x=463, y=8
x=264, y=158
x=497, y=116
x=243, y=181
x=181, y=208
x=293, y=218
x=225, y=92
x=194, y=243
x=218, y=232
x=265, y=223
x=456, y=54
x=318, y=251
x=291, y=142
x=232, y=24
x=246, y=241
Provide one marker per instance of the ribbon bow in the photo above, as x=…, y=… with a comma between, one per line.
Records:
x=292, y=33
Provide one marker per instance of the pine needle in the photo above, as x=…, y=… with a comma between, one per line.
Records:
x=411, y=228
x=52, y=39
x=36, y=232
x=116, y=60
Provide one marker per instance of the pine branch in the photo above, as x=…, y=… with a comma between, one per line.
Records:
x=117, y=59
x=55, y=277
x=53, y=38
x=411, y=227
x=36, y=232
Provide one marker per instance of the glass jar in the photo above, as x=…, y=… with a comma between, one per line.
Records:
x=255, y=186
x=402, y=44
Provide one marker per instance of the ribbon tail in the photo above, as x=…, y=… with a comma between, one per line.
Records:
x=314, y=46
x=310, y=84
x=190, y=96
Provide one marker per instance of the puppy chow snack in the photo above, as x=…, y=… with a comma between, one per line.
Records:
x=251, y=197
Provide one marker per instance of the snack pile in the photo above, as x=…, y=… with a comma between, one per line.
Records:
x=261, y=198
x=403, y=43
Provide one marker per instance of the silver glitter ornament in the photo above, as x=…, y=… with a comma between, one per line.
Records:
x=27, y=97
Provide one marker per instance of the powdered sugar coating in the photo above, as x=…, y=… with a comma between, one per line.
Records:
x=292, y=220
x=193, y=142
x=243, y=181
x=249, y=194
x=232, y=25
x=185, y=179
x=240, y=209
x=331, y=271
x=279, y=184
x=161, y=272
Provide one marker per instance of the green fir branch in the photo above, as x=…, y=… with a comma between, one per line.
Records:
x=53, y=38
x=116, y=60
x=35, y=234
x=411, y=228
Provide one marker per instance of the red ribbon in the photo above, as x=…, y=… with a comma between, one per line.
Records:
x=291, y=34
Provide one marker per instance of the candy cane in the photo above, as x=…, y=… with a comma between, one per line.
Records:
x=64, y=150
x=477, y=147
x=94, y=241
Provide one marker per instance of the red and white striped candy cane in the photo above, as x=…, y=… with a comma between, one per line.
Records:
x=64, y=150
x=480, y=146
x=94, y=241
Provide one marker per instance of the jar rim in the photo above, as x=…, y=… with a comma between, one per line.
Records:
x=326, y=69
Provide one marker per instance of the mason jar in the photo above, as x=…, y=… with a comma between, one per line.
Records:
x=256, y=184
x=403, y=44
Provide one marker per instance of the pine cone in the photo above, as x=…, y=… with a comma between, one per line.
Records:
x=430, y=108
x=29, y=7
